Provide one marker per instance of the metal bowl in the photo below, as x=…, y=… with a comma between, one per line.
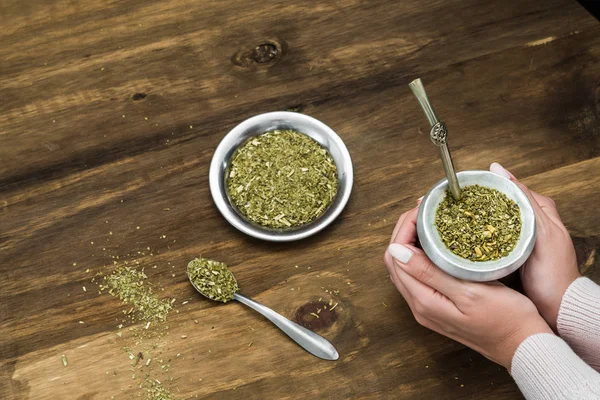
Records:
x=262, y=123
x=460, y=267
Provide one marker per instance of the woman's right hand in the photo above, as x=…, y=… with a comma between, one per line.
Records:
x=552, y=266
x=489, y=317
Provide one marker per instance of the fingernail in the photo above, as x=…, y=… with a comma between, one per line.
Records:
x=400, y=253
x=420, y=199
x=499, y=170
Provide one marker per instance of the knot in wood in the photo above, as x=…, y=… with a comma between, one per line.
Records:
x=265, y=53
x=316, y=315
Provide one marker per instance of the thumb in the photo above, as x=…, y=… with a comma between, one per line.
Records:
x=540, y=215
x=498, y=169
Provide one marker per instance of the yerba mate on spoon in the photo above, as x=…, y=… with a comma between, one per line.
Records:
x=474, y=225
x=215, y=281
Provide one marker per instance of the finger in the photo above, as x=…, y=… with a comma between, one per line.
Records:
x=547, y=205
x=427, y=301
x=419, y=317
x=397, y=227
x=433, y=323
x=540, y=215
x=428, y=322
x=407, y=232
x=419, y=200
x=500, y=170
x=415, y=263
x=389, y=262
x=422, y=319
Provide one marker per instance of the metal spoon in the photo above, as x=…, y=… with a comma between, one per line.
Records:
x=310, y=341
x=438, y=135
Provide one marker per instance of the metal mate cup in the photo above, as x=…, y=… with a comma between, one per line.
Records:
x=457, y=266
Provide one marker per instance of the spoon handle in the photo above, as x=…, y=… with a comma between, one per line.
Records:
x=310, y=341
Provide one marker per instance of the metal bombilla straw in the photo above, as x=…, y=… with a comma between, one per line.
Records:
x=438, y=135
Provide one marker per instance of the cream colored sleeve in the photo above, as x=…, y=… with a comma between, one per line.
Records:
x=546, y=368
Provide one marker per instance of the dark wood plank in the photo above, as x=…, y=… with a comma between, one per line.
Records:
x=82, y=168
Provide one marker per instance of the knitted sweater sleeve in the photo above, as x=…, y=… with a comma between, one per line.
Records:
x=546, y=368
x=579, y=320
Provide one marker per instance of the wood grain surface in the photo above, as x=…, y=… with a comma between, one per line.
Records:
x=110, y=112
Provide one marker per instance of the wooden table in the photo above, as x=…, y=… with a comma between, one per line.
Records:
x=110, y=112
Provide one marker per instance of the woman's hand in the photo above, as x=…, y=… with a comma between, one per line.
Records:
x=488, y=317
x=552, y=266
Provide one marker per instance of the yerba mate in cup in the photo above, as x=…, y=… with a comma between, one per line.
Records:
x=483, y=225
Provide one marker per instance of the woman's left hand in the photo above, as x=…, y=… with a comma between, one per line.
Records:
x=489, y=317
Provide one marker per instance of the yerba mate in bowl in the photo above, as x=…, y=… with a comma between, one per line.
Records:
x=475, y=262
x=330, y=174
x=281, y=179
